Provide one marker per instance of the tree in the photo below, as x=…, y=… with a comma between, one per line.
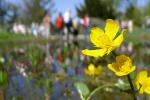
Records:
x=133, y=11
x=98, y=8
x=35, y=10
x=2, y=11
x=8, y=12
x=147, y=8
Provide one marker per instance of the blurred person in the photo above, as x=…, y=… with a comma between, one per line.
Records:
x=22, y=28
x=86, y=24
x=148, y=22
x=59, y=56
x=41, y=29
x=68, y=23
x=130, y=48
x=15, y=28
x=124, y=24
x=59, y=23
x=19, y=28
x=68, y=20
x=47, y=25
x=130, y=25
x=75, y=24
x=34, y=29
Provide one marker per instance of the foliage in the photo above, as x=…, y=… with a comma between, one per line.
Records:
x=147, y=9
x=82, y=89
x=35, y=55
x=35, y=10
x=132, y=13
x=3, y=75
x=8, y=12
x=99, y=8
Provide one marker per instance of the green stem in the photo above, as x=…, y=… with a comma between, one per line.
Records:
x=81, y=96
x=132, y=87
x=97, y=89
x=114, y=55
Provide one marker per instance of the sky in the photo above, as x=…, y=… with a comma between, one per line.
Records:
x=62, y=5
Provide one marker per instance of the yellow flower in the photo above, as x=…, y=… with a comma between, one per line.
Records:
x=92, y=70
x=142, y=82
x=122, y=66
x=107, y=41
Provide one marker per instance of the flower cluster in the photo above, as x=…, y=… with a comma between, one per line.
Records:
x=122, y=66
x=105, y=42
x=93, y=70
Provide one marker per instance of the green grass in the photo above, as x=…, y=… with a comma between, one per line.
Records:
x=138, y=36
x=11, y=37
x=11, y=40
x=7, y=38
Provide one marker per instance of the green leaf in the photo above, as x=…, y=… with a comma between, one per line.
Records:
x=49, y=84
x=3, y=78
x=121, y=84
x=82, y=88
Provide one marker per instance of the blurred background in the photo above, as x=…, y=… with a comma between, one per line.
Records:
x=41, y=43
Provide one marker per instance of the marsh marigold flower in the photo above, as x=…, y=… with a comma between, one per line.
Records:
x=122, y=66
x=93, y=71
x=105, y=41
x=142, y=82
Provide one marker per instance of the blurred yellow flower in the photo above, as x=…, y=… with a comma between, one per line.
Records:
x=105, y=41
x=142, y=82
x=122, y=66
x=93, y=71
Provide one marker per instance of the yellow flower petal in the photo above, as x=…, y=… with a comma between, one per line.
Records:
x=91, y=67
x=117, y=42
x=92, y=70
x=122, y=59
x=147, y=88
x=98, y=70
x=95, y=53
x=87, y=72
x=110, y=49
x=142, y=82
x=99, y=39
x=121, y=73
x=126, y=71
x=95, y=34
x=137, y=84
x=111, y=28
x=105, y=40
x=122, y=66
x=132, y=69
x=141, y=76
x=141, y=90
x=114, y=67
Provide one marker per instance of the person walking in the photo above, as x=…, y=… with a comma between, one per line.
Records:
x=59, y=23
x=86, y=25
x=68, y=24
